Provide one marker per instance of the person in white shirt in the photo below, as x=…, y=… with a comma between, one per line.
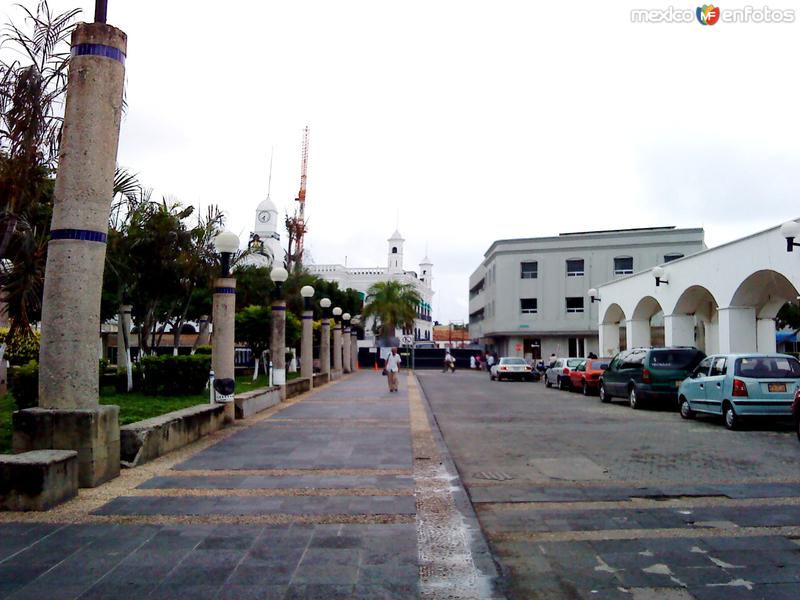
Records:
x=393, y=362
x=449, y=362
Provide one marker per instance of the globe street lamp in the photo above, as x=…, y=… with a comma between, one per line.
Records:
x=307, y=340
x=661, y=276
x=594, y=295
x=278, y=275
x=790, y=230
x=223, y=317
x=346, y=364
x=337, y=341
x=325, y=337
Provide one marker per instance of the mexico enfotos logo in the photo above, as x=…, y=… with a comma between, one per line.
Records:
x=709, y=15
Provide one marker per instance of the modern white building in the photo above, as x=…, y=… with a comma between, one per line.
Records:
x=265, y=239
x=528, y=297
x=361, y=279
x=724, y=299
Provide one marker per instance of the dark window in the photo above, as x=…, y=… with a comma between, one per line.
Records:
x=528, y=306
x=575, y=304
x=675, y=359
x=719, y=367
x=529, y=270
x=623, y=265
x=671, y=257
x=702, y=369
x=768, y=367
x=394, y=249
x=575, y=267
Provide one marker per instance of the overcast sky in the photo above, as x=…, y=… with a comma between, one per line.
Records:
x=474, y=120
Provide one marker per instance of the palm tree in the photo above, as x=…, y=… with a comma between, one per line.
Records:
x=392, y=304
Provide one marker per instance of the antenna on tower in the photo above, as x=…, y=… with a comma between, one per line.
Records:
x=269, y=181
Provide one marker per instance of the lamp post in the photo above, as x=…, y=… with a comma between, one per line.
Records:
x=661, y=276
x=790, y=230
x=223, y=317
x=337, y=341
x=307, y=340
x=69, y=415
x=354, y=344
x=594, y=295
x=346, y=365
x=277, y=342
x=325, y=337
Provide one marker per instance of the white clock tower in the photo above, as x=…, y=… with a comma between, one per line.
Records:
x=266, y=228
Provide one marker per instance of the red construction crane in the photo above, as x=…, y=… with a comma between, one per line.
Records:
x=297, y=224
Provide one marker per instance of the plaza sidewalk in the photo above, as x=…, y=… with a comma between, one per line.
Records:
x=313, y=499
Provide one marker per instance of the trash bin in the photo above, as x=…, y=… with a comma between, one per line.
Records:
x=223, y=390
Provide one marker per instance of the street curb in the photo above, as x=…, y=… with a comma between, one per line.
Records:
x=479, y=547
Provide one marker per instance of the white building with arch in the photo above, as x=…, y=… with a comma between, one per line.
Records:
x=724, y=299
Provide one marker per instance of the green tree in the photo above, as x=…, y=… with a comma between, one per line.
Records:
x=789, y=316
x=392, y=304
x=253, y=327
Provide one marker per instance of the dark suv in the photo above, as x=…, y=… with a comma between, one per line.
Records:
x=648, y=375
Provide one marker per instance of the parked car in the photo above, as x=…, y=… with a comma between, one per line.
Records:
x=557, y=374
x=648, y=375
x=512, y=367
x=586, y=376
x=741, y=385
x=796, y=412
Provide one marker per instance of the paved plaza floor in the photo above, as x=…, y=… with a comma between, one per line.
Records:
x=345, y=492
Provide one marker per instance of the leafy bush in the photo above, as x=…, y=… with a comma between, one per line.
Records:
x=205, y=350
x=24, y=382
x=175, y=375
x=121, y=381
x=21, y=348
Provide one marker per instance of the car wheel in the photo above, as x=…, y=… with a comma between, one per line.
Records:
x=797, y=427
x=585, y=389
x=686, y=409
x=729, y=416
x=604, y=397
x=633, y=399
x=547, y=383
x=561, y=384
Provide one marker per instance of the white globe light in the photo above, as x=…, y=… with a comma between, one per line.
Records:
x=278, y=274
x=226, y=242
x=325, y=303
x=593, y=292
x=346, y=316
x=658, y=272
x=306, y=291
x=790, y=229
x=337, y=311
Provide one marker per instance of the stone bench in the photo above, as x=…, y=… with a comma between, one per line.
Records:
x=334, y=375
x=321, y=379
x=254, y=401
x=38, y=480
x=295, y=387
x=146, y=440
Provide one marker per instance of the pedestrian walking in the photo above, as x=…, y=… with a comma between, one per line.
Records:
x=472, y=363
x=489, y=361
x=392, y=368
x=449, y=362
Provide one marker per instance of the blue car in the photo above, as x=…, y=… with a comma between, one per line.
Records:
x=741, y=385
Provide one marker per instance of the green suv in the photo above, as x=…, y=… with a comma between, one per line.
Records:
x=648, y=375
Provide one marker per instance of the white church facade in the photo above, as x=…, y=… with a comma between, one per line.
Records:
x=361, y=279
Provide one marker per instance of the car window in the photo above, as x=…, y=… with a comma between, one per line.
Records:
x=574, y=362
x=702, y=369
x=513, y=361
x=597, y=365
x=767, y=367
x=581, y=366
x=675, y=358
x=718, y=367
x=634, y=360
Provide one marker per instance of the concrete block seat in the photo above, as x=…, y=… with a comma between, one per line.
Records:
x=146, y=440
x=254, y=401
x=37, y=480
x=295, y=387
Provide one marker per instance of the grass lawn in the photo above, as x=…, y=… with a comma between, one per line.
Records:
x=133, y=407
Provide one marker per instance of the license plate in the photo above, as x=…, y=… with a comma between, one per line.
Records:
x=776, y=387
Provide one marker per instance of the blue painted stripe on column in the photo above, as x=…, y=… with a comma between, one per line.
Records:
x=305, y=318
x=99, y=50
x=278, y=308
x=83, y=235
x=224, y=290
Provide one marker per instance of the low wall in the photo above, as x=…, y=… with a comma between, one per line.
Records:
x=321, y=379
x=334, y=375
x=254, y=401
x=295, y=387
x=38, y=480
x=145, y=440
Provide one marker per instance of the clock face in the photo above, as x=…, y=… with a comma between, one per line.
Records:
x=264, y=216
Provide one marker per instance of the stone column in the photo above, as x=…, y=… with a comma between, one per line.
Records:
x=123, y=336
x=637, y=333
x=277, y=347
x=346, y=361
x=765, y=336
x=204, y=335
x=69, y=416
x=224, y=338
x=325, y=346
x=337, y=346
x=307, y=347
x=679, y=330
x=353, y=350
x=608, y=342
x=737, y=329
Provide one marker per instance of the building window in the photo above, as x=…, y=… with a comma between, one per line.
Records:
x=529, y=270
x=577, y=347
x=528, y=306
x=394, y=249
x=575, y=267
x=575, y=304
x=671, y=257
x=623, y=265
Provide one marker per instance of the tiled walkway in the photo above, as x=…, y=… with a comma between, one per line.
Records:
x=315, y=501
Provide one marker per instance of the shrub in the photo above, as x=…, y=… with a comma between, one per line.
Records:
x=24, y=382
x=175, y=375
x=121, y=381
x=21, y=349
x=204, y=350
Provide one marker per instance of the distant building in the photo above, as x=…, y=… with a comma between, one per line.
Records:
x=528, y=297
x=447, y=336
x=361, y=279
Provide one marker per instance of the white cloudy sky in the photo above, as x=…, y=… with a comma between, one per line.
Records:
x=474, y=120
